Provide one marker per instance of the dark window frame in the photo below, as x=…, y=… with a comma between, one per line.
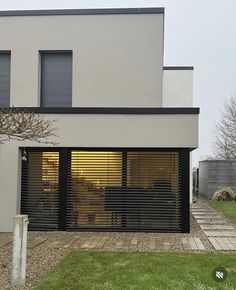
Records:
x=184, y=155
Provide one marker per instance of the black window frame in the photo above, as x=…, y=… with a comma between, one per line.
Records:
x=64, y=153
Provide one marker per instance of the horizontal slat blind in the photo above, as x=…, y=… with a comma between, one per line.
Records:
x=124, y=190
x=40, y=190
x=91, y=174
x=104, y=190
x=153, y=190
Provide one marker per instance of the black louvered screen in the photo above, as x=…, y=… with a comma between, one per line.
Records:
x=40, y=190
x=106, y=190
x=124, y=190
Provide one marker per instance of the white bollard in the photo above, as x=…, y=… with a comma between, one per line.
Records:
x=20, y=228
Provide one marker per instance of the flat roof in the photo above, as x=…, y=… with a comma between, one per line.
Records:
x=102, y=11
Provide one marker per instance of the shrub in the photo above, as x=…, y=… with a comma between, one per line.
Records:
x=224, y=194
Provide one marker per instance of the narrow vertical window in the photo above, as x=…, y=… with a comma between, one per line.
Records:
x=5, y=64
x=56, y=79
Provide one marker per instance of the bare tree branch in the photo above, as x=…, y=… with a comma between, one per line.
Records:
x=23, y=125
x=225, y=140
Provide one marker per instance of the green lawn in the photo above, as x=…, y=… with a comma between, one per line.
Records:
x=228, y=208
x=140, y=271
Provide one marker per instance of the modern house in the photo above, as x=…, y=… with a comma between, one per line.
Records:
x=125, y=123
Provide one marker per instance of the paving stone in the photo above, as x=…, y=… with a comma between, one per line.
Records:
x=229, y=233
x=167, y=244
x=5, y=241
x=222, y=244
x=199, y=244
x=214, y=217
x=120, y=243
x=202, y=210
x=85, y=245
x=207, y=214
x=214, y=233
x=153, y=244
x=203, y=213
x=94, y=242
x=220, y=233
x=216, y=227
x=134, y=241
x=192, y=244
x=63, y=242
x=126, y=244
x=102, y=242
x=215, y=244
x=232, y=240
x=197, y=205
x=211, y=221
x=201, y=207
x=229, y=244
x=35, y=241
x=159, y=242
x=185, y=244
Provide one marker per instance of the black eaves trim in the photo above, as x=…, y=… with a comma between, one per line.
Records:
x=83, y=11
x=100, y=110
x=178, y=67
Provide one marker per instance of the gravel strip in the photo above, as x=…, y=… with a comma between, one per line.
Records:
x=42, y=258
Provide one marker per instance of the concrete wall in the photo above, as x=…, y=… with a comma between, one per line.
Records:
x=177, y=88
x=214, y=174
x=117, y=59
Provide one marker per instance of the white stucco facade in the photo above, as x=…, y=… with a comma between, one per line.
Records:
x=177, y=87
x=118, y=63
x=117, y=59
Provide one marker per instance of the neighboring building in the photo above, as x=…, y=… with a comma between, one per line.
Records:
x=126, y=126
x=195, y=180
x=215, y=174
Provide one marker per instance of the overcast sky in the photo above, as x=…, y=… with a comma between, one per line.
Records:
x=201, y=33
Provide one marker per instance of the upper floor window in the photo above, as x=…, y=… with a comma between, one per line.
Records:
x=5, y=68
x=56, y=79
